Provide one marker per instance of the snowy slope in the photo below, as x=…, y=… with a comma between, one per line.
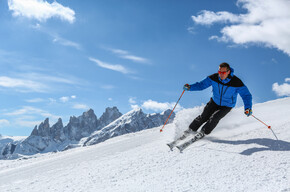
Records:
x=241, y=154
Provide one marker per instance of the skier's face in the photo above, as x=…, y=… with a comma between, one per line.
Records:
x=223, y=72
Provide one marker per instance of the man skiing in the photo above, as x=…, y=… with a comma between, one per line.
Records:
x=225, y=86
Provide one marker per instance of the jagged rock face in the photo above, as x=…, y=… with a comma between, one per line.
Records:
x=110, y=115
x=131, y=122
x=82, y=126
x=42, y=130
x=57, y=132
x=111, y=124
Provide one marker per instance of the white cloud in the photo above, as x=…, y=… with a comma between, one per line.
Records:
x=132, y=100
x=49, y=78
x=133, y=103
x=27, y=123
x=283, y=89
x=64, y=99
x=4, y=122
x=29, y=116
x=66, y=42
x=265, y=22
x=135, y=106
x=22, y=85
x=36, y=82
x=118, y=68
x=135, y=58
x=28, y=110
x=35, y=100
x=126, y=55
x=208, y=17
x=157, y=106
x=41, y=10
x=80, y=106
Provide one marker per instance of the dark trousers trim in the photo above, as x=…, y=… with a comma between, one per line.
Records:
x=211, y=115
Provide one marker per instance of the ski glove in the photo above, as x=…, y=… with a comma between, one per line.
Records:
x=186, y=87
x=248, y=112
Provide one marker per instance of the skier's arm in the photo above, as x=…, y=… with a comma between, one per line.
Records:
x=198, y=86
x=246, y=96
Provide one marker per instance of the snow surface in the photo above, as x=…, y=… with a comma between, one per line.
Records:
x=241, y=154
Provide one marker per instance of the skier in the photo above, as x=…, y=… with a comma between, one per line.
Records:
x=225, y=87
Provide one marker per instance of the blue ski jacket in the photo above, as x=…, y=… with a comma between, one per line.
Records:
x=225, y=91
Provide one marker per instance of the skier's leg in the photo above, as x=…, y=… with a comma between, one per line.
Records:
x=215, y=118
x=208, y=110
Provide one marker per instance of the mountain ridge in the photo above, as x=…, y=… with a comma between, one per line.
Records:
x=80, y=131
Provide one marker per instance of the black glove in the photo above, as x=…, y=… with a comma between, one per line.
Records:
x=186, y=87
x=248, y=112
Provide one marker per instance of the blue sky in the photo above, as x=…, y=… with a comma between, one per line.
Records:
x=60, y=58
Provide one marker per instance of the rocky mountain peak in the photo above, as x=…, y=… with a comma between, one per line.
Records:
x=89, y=113
x=86, y=130
x=56, y=131
x=110, y=115
x=42, y=130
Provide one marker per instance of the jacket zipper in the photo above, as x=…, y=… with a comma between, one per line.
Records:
x=221, y=95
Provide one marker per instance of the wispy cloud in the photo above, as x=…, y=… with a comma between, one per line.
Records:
x=28, y=116
x=41, y=10
x=28, y=110
x=118, y=68
x=35, y=82
x=283, y=89
x=65, y=99
x=127, y=55
x=35, y=100
x=133, y=103
x=22, y=85
x=266, y=22
x=80, y=106
x=4, y=122
x=132, y=100
x=56, y=38
x=67, y=43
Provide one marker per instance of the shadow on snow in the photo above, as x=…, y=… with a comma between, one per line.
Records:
x=269, y=145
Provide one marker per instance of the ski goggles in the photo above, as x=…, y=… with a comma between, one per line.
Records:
x=222, y=72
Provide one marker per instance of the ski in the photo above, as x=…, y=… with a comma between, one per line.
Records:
x=196, y=137
x=186, y=134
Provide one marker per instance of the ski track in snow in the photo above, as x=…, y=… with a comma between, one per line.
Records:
x=244, y=158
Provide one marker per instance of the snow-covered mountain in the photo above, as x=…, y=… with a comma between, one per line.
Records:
x=241, y=154
x=133, y=121
x=86, y=128
x=12, y=141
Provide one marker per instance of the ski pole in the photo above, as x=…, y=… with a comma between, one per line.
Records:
x=269, y=127
x=171, y=112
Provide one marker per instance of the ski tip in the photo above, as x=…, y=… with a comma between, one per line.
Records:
x=170, y=147
x=161, y=130
x=180, y=150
